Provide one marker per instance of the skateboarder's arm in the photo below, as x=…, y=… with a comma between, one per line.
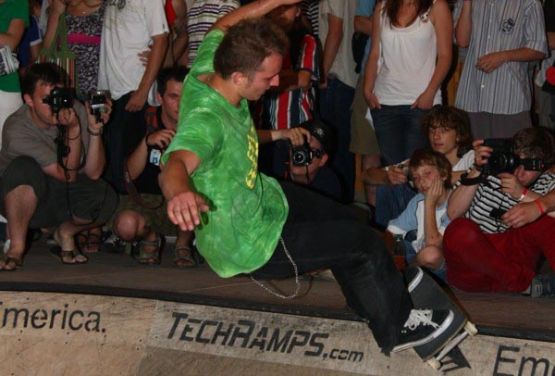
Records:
x=184, y=204
x=254, y=9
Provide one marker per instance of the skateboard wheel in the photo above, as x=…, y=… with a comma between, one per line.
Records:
x=434, y=363
x=471, y=328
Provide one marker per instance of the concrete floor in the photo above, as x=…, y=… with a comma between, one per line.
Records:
x=120, y=275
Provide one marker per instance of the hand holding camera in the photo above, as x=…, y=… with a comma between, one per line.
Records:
x=497, y=155
x=8, y=61
x=68, y=118
x=160, y=139
x=397, y=174
x=510, y=185
x=99, y=106
x=481, y=153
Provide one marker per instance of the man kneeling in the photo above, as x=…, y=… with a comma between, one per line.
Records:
x=50, y=162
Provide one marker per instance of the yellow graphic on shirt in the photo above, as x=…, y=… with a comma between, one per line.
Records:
x=252, y=155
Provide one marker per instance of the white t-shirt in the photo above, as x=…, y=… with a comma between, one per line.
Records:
x=126, y=33
x=412, y=218
x=344, y=65
x=407, y=61
x=466, y=161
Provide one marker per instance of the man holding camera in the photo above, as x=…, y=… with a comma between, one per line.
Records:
x=486, y=250
x=50, y=162
x=309, y=165
x=142, y=214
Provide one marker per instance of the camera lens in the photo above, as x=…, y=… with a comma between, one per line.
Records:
x=299, y=157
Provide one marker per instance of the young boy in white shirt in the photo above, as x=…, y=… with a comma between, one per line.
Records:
x=427, y=211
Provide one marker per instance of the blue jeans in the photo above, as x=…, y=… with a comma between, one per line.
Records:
x=391, y=200
x=399, y=132
x=335, y=110
x=410, y=256
x=320, y=233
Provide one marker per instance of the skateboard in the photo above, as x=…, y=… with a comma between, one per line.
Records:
x=427, y=294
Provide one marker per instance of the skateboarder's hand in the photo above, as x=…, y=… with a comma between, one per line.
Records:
x=184, y=210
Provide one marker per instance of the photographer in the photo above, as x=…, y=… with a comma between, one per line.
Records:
x=51, y=161
x=141, y=214
x=308, y=164
x=485, y=251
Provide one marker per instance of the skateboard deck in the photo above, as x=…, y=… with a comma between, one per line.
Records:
x=427, y=294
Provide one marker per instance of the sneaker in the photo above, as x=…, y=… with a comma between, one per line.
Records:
x=113, y=244
x=422, y=327
x=542, y=285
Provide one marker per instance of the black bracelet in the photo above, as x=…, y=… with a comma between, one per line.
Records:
x=93, y=133
x=465, y=180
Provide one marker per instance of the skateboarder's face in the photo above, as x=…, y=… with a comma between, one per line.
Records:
x=258, y=82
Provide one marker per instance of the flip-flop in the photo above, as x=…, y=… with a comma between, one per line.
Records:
x=7, y=260
x=64, y=255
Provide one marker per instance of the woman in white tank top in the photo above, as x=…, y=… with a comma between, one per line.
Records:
x=410, y=57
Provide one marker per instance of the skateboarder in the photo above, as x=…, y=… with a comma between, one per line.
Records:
x=247, y=223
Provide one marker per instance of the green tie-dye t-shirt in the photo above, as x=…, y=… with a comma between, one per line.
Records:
x=247, y=209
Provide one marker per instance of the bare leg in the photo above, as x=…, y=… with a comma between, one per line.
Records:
x=20, y=203
x=369, y=161
x=65, y=237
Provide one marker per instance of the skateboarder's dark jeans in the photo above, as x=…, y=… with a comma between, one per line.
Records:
x=320, y=233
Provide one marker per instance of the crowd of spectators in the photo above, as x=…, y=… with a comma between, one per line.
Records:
x=464, y=183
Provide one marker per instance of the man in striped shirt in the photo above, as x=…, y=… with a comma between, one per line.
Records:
x=502, y=36
x=482, y=251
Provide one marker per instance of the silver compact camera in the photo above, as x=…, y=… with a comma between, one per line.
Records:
x=8, y=61
x=98, y=100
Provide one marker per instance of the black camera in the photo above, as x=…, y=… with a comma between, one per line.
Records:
x=97, y=101
x=504, y=159
x=59, y=98
x=303, y=155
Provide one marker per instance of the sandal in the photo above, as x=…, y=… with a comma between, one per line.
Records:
x=152, y=257
x=73, y=257
x=9, y=264
x=184, y=257
x=88, y=241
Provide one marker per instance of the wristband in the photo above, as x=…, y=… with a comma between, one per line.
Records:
x=94, y=133
x=465, y=180
x=523, y=195
x=540, y=206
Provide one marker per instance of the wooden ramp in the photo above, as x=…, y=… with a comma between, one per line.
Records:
x=114, y=317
